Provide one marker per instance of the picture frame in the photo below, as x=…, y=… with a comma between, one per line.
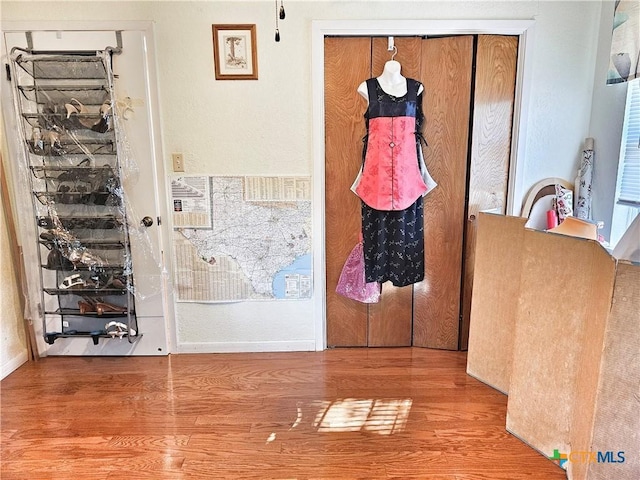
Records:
x=235, y=52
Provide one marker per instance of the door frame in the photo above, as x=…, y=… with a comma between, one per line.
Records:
x=524, y=29
x=169, y=335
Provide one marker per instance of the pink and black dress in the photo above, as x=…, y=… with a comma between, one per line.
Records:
x=391, y=185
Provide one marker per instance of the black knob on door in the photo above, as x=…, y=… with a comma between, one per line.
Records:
x=147, y=221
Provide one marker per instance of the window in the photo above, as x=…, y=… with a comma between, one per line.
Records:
x=628, y=187
x=629, y=177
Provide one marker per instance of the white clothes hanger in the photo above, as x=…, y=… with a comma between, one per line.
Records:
x=391, y=79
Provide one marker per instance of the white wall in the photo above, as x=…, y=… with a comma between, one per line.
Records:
x=265, y=126
x=560, y=109
x=607, y=115
x=13, y=347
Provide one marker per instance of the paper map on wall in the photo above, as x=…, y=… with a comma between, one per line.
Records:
x=241, y=238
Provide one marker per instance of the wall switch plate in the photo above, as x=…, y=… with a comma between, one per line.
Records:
x=178, y=162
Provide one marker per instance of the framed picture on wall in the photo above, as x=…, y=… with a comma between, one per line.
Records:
x=235, y=52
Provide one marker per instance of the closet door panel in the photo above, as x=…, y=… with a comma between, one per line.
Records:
x=390, y=320
x=496, y=62
x=446, y=75
x=347, y=64
x=492, y=121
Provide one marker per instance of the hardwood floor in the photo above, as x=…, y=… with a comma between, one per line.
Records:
x=403, y=413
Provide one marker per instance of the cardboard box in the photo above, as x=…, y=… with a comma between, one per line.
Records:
x=543, y=330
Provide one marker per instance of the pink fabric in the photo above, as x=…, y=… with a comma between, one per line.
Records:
x=352, y=283
x=391, y=178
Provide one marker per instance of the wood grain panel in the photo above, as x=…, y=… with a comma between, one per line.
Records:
x=390, y=320
x=409, y=55
x=468, y=265
x=492, y=121
x=446, y=75
x=495, y=81
x=347, y=63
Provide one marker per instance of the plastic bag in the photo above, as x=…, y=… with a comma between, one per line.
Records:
x=352, y=283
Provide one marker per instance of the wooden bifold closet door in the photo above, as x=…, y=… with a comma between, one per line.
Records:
x=428, y=313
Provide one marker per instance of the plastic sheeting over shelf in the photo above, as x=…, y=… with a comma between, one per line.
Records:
x=79, y=165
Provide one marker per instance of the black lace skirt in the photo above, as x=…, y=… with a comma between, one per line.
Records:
x=394, y=244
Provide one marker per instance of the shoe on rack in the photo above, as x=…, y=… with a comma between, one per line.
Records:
x=71, y=108
x=104, y=307
x=47, y=236
x=119, y=283
x=119, y=329
x=71, y=281
x=86, y=306
x=57, y=261
x=77, y=108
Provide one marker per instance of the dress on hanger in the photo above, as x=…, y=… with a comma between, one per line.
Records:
x=391, y=185
x=391, y=178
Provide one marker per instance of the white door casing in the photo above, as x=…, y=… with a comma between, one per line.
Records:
x=524, y=29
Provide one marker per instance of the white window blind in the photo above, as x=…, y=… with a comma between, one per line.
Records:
x=629, y=176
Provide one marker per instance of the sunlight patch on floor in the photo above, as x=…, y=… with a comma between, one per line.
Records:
x=384, y=417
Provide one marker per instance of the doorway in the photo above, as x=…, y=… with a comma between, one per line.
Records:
x=468, y=102
x=142, y=183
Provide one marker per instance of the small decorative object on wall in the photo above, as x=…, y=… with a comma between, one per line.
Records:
x=235, y=52
x=624, y=61
x=279, y=14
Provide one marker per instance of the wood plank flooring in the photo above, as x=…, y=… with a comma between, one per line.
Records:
x=404, y=413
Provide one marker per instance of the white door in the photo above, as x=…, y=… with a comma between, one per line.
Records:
x=140, y=156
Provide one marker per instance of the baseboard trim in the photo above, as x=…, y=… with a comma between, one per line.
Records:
x=13, y=364
x=246, y=347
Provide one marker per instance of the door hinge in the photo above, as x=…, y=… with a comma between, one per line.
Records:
x=8, y=70
x=159, y=221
